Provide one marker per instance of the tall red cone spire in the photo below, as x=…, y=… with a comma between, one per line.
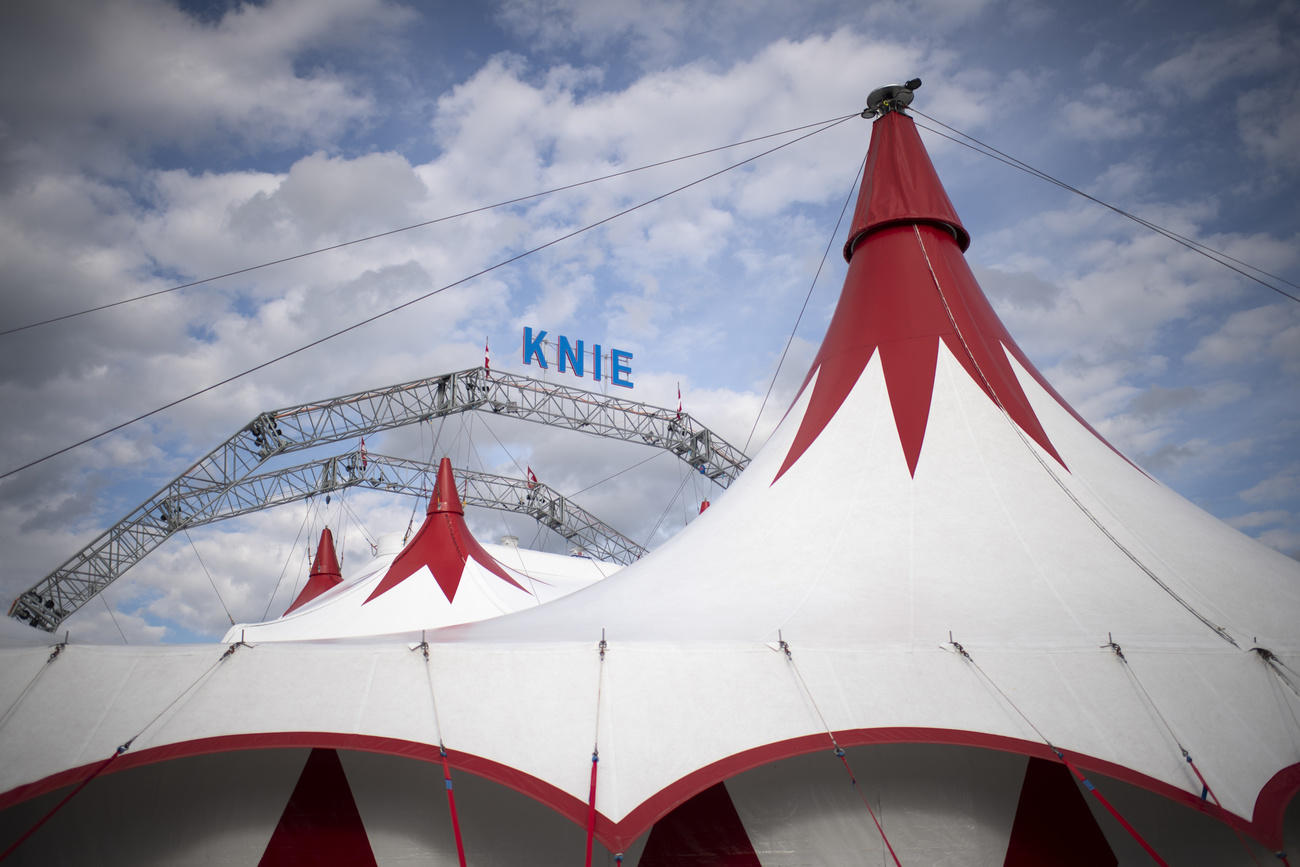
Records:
x=900, y=186
x=443, y=543
x=907, y=290
x=325, y=573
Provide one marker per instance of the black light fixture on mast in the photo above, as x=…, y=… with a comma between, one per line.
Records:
x=891, y=97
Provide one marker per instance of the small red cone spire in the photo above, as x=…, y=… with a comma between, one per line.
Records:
x=325, y=572
x=445, y=500
x=443, y=544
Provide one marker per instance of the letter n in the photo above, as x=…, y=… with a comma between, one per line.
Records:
x=570, y=353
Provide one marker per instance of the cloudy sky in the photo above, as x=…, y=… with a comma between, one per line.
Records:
x=144, y=144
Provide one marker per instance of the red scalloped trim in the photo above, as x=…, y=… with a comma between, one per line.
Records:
x=1265, y=825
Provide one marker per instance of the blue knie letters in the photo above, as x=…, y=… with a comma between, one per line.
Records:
x=572, y=355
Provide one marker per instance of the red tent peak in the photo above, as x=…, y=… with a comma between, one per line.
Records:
x=443, y=544
x=908, y=290
x=445, y=499
x=326, y=561
x=325, y=572
x=900, y=185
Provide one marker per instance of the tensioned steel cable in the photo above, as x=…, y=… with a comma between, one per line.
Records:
x=1060, y=754
x=671, y=500
x=501, y=518
x=509, y=454
x=99, y=767
x=417, y=299
x=1206, y=791
x=448, y=786
x=55, y=652
x=420, y=225
x=840, y=753
x=111, y=616
x=369, y=538
x=812, y=285
x=595, y=749
x=1208, y=252
x=204, y=566
x=657, y=453
x=293, y=549
x=1047, y=468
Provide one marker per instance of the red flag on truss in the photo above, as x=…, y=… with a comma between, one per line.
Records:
x=532, y=478
x=679, y=401
x=487, y=361
x=363, y=454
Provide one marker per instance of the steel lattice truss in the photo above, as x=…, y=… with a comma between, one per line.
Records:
x=535, y=499
x=222, y=484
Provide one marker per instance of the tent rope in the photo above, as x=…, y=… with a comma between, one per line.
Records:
x=423, y=646
x=595, y=750
x=1206, y=791
x=1210, y=253
x=99, y=769
x=502, y=263
x=1278, y=667
x=1096, y=522
x=686, y=477
x=55, y=652
x=806, y=298
x=1079, y=775
x=838, y=750
x=446, y=217
x=204, y=567
x=102, y=766
x=285, y=568
x=371, y=540
x=1280, y=670
x=103, y=595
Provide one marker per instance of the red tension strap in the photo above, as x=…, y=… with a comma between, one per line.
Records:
x=863, y=795
x=451, y=805
x=1087, y=784
x=103, y=766
x=591, y=805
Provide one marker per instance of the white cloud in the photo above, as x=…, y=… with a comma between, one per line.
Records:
x=1252, y=520
x=332, y=198
x=1283, y=539
x=1212, y=61
x=160, y=76
x=1278, y=488
x=592, y=25
x=1098, y=115
x=1271, y=331
x=1268, y=120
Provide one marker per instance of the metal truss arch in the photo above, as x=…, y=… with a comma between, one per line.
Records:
x=222, y=484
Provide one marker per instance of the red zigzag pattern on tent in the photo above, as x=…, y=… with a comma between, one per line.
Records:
x=320, y=825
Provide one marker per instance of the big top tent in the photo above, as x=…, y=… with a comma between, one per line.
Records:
x=939, y=619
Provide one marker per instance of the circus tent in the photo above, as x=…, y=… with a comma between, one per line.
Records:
x=939, y=619
x=441, y=576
